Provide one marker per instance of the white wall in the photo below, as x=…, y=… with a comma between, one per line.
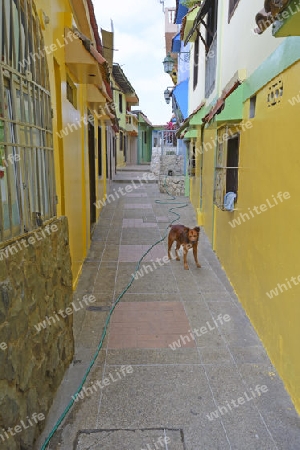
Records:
x=238, y=48
x=242, y=48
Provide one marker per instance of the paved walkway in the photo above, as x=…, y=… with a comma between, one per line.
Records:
x=216, y=389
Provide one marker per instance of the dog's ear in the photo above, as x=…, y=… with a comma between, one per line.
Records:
x=186, y=229
x=197, y=229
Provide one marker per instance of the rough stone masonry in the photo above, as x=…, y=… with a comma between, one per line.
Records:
x=35, y=280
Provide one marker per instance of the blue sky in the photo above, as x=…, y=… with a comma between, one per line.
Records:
x=139, y=27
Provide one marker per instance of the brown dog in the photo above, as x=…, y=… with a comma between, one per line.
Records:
x=186, y=237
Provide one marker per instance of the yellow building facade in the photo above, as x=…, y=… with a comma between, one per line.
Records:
x=124, y=97
x=56, y=110
x=79, y=103
x=246, y=142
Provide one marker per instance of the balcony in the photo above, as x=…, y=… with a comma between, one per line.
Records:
x=168, y=142
x=131, y=124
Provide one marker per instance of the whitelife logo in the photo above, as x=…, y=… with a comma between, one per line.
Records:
x=24, y=425
x=67, y=312
x=93, y=388
x=247, y=396
x=129, y=188
x=183, y=340
x=259, y=209
x=274, y=292
x=32, y=240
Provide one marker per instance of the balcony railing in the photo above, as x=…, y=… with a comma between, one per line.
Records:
x=167, y=141
x=131, y=124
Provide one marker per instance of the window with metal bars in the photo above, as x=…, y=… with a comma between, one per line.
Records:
x=121, y=143
x=227, y=166
x=99, y=152
x=71, y=92
x=120, y=103
x=27, y=185
x=192, y=160
x=196, y=63
x=211, y=48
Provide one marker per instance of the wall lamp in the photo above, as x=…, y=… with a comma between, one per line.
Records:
x=168, y=63
x=168, y=94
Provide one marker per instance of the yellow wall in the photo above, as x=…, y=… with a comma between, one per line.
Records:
x=264, y=250
x=195, y=180
x=209, y=139
x=71, y=151
x=122, y=124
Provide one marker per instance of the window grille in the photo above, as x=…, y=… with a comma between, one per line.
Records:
x=99, y=152
x=252, y=109
x=71, y=92
x=192, y=161
x=120, y=103
x=275, y=93
x=226, y=170
x=196, y=63
x=27, y=184
x=211, y=47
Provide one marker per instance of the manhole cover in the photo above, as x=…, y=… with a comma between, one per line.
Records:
x=143, y=439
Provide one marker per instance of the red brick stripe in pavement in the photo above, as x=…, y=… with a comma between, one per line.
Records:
x=148, y=325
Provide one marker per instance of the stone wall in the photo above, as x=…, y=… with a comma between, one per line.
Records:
x=171, y=178
x=174, y=163
x=162, y=164
x=155, y=160
x=35, y=283
x=173, y=185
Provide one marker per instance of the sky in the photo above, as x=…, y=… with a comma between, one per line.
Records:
x=139, y=34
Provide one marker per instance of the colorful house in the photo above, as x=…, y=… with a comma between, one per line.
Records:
x=243, y=108
x=144, y=138
x=124, y=98
x=56, y=113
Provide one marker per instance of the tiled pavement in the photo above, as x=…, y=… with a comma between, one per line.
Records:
x=141, y=394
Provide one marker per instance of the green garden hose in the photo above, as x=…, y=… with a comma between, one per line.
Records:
x=70, y=404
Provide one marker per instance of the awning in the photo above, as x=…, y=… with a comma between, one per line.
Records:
x=82, y=58
x=275, y=7
x=269, y=14
x=180, y=92
x=233, y=107
x=176, y=43
x=197, y=118
x=191, y=134
x=220, y=104
x=125, y=85
x=108, y=45
x=187, y=123
x=202, y=11
x=188, y=22
x=263, y=20
x=181, y=11
x=94, y=95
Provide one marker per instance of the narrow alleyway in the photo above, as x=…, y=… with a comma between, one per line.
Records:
x=216, y=391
